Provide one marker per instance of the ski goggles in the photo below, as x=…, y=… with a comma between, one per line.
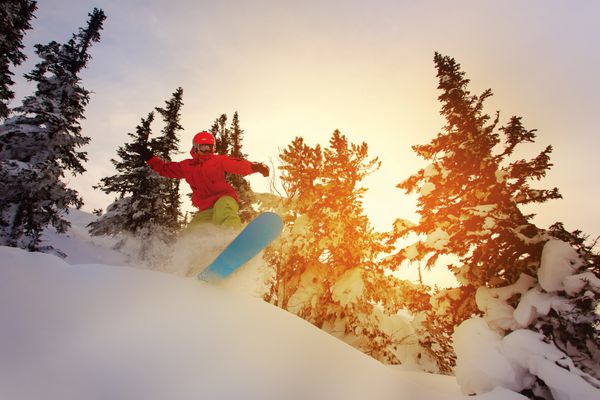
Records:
x=203, y=148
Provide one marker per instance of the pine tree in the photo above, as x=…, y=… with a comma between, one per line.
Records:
x=165, y=146
x=236, y=137
x=470, y=199
x=40, y=143
x=575, y=329
x=325, y=265
x=133, y=178
x=239, y=183
x=15, y=16
x=137, y=209
x=221, y=133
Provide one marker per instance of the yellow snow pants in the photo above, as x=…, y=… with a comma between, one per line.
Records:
x=224, y=212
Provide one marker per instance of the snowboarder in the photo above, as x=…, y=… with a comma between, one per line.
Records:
x=216, y=199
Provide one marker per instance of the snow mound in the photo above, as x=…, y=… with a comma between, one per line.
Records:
x=487, y=359
x=102, y=332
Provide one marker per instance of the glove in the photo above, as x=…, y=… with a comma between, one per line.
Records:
x=145, y=153
x=260, y=167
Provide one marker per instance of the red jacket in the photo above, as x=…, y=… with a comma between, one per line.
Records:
x=205, y=174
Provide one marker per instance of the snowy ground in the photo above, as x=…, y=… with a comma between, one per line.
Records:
x=83, y=329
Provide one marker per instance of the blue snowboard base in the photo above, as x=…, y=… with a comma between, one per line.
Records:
x=257, y=235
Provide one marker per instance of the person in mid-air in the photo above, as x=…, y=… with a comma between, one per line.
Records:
x=216, y=199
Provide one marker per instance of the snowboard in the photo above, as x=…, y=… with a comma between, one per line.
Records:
x=257, y=235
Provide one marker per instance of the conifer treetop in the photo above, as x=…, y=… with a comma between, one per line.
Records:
x=15, y=16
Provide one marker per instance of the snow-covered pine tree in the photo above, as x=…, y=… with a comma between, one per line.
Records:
x=133, y=178
x=134, y=213
x=170, y=218
x=468, y=202
x=15, y=16
x=470, y=199
x=41, y=142
x=574, y=328
x=325, y=265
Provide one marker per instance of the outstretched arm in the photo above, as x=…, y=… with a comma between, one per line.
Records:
x=166, y=169
x=243, y=167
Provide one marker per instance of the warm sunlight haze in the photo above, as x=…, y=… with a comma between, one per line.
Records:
x=319, y=199
x=306, y=70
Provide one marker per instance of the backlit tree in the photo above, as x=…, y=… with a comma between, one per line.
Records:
x=471, y=199
x=325, y=266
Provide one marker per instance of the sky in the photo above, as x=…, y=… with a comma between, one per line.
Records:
x=307, y=68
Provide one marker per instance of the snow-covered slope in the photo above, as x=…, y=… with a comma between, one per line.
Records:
x=79, y=246
x=103, y=332
x=86, y=330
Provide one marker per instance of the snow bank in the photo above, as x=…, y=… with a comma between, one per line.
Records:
x=80, y=247
x=528, y=350
x=486, y=359
x=100, y=332
x=481, y=365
